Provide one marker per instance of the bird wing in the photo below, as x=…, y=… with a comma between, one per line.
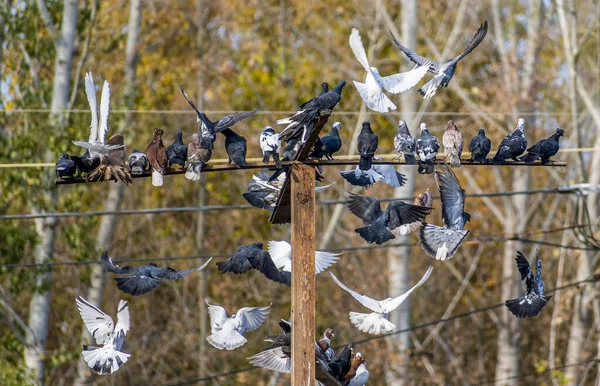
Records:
x=271, y=272
x=401, y=213
x=403, y=81
x=374, y=97
x=363, y=207
x=123, y=319
x=452, y=195
x=358, y=49
x=525, y=270
x=218, y=316
x=431, y=65
x=90, y=92
x=137, y=285
x=281, y=254
x=112, y=267
x=324, y=260
x=104, y=108
x=478, y=38
x=394, y=303
x=98, y=323
x=441, y=243
x=276, y=359
x=251, y=318
x=372, y=304
x=173, y=274
x=390, y=175
x=201, y=116
x=230, y=120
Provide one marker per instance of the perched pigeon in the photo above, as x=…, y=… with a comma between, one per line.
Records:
x=453, y=142
x=177, y=151
x=263, y=192
x=85, y=163
x=278, y=356
x=425, y=200
x=281, y=254
x=108, y=358
x=443, y=72
x=138, y=162
x=342, y=363
x=112, y=165
x=404, y=143
x=270, y=144
x=371, y=91
x=157, y=158
x=544, y=149
x=145, y=278
x=367, y=145
x=441, y=243
x=329, y=144
x=381, y=226
x=530, y=304
x=480, y=147
x=300, y=125
x=65, y=167
x=377, y=322
x=358, y=374
x=198, y=154
x=252, y=256
x=427, y=148
x=324, y=344
x=235, y=145
x=228, y=332
x=324, y=88
x=513, y=145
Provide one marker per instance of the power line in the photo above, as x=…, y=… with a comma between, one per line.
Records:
x=211, y=377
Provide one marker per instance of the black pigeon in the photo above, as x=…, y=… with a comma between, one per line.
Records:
x=252, y=256
x=480, y=147
x=278, y=356
x=329, y=144
x=441, y=243
x=235, y=145
x=530, y=304
x=427, y=148
x=324, y=89
x=367, y=145
x=300, y=125
x=85, y=163
x=145, y=278
x=513, y=145
x=138, y=162
x=263, y=191
x=65, y=167
x=378, y=172
x=544, y=149
x=340, y=365
x=404, y=143
x=443, y=72
x=381, y=226
x=177, y=151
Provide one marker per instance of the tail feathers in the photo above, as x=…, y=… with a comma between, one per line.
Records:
x=478, y=158
x=410, y=159
x=497, y=161
x=372, y=323
x=529, y=158
x=454, y=160
x=157, y=178
x=193, y=172
x=377, y=101
x=362, y=178
x=375, y=234
x=527, y=306
x=104, y=360
x=441, y=243
x=425, y=168
x=228, y=341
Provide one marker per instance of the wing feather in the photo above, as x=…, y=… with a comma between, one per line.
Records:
x=281, y=254
x=475, y=41
x=372, y=304
x=395, y=302
x=97, y=322
x=90, y=92
x=104, y=109
x=251, y=318
x=324, y=260
x=123, y=318
x=403, y=81
x=358, y=49
x=218, y=316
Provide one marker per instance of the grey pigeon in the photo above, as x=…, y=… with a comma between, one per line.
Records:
x=438, y=242
x=263, y=191
x=427, y=148
x=235, y=145
x=443, y=72
x=278, y=356
x=228, y=332
x=177, y=151
x=453, y=142
x=530, y=304
x=544, y=149
x=358, y=374
x=65, y=167
x=252, y=256
x=270, y=144
x=404, y=143
x=513, y=145
x=480, y=147
x=138, y=162
x=329, y=144
x=143, y=279
x=378, y=172
x=381, y=226
x=198, y=154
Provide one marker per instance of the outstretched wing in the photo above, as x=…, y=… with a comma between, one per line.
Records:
x=432, y=65
x=123, y=320
x=403, y=81
x=251, y=318
x=401, y=213
x=363, y=207
x=230, y=120
x=98, y=323
x=271, y=272
x=324, y=260
x=453, y=197
x=218, y=316
x=391, y=305
x=525, y=270
x=372, y=304
x=281, y=254
x=90, y=92
x=358, y=49
x=104, y=108
x=173, y=274
x=478, y=38
x=110, y=266
x=440, y=243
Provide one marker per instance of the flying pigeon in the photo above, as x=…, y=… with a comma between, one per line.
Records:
x=281, y=254
x=138, y=162
x=98, y=129
x=329, y=144
x=371, y=91
x=377, y=322
x=252, y=256
x=300, y=125
x=198, y=154
x=480, y=147
x=443, y=72
x=228, y=332
x=530, y=304
x=425, y=200
x=262, y=191
x=342, y=363
x=438, y=242
x=143, y=279
x=453, y=142
x=323, y=345
x=381, y=226
x=108, y=358
x=427, y=148
x=544, y=149
x=358, y=374
x=65, y=167
x=278, y=356
x=112, y=165
x=378, y=172
x=235, y=145
x=177, y=151
x=513, y=145
x=404, y=143
x=85, y=163
x=270, y=144
x=157, y=158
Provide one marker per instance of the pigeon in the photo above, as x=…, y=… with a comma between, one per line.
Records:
x=198, y=154
x=177, y=151
x=358, y=374
x=425, y=200
x=143, y=279
x=108, y=358
x=438, y=242
x=480, y=147
x=324, y=88
x=544, y=149
x=342, y=362
x=513, y=145
x=300, y=125
x=270, y=145
x=228, y=332
x=98, y=128
x=138, y=162
x=378, y=172
x=530, y=304
x=381, y=226
x=112, y=165
x=65, y=167
x=252, y=256
x=278, y=356
x=235, y=145
x=157, y=158
x=323, y=345
x=404, y=143
x=367, y=145
x=281, y=254
x=85, y=163
x=427, y=148
x=453, y=142
x=371, y=91
x=377, y=322
x=263, y=192
x=329, y=144
x=443, y=72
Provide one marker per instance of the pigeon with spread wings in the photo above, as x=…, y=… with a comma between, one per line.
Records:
x=278, y=356
x=281, y=253
x=530, y=304
x=228, y=332
x=252, y=256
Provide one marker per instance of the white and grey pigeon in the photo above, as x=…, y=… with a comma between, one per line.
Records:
x=228, y=332
x=371, y=91
x=377, y=322
x=513, y=145
x=108, y=358
x=270, y=144
x=427, y=148
x=138, y=162
x=281, y=254
x=96, y=143
x=404, y=143
x=530, y=304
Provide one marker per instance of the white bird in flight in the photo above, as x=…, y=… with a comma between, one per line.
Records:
x=228, y=332
x=281, y=254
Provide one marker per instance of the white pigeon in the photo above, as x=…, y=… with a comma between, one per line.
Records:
x=362, y=374
x=96, y=143
x=270, y=144
x=108, y=358
x=228, y=332
x=281, y=254
x=377, y=322
x=371, y=91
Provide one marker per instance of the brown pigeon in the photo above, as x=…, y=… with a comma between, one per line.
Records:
x=198, y=154
x=424, y=199
x=325, y=342
x=356, y=361
x=453, y=144
x=157, y=158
